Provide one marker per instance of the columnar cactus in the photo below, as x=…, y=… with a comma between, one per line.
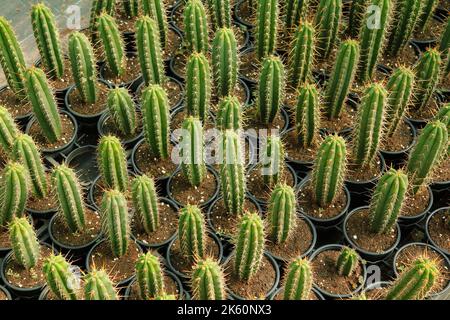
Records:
x=149, y=51
x=329, y=170
x=443, y=115
x=307, y=115
x=8, y=130
x=24, y=242
x=266, y=28
x=43, y=103
x=98, y=286
x=97, y=8
x=14, y=192
x=427, y=13
x=60, y=278
x=70, y=197
x=156, y=120
x=166, y=296
x=196, y=26
x=149, y=276
x=221, y=13
x=387, y=201
x=225, y=61
x=229, y=115
x=122, y=109
x=192, y=151
x=131, y=8
x=113, y=163
x=342, y=77
x=192, y=233
x=282, y=213
x=428, y=76
x=208, y=280
x=444, y=47
x=198, y=85
x=145, y=202
x=295, y=11
x=357, y=15
x=272, y=161
x=298, y=280
x=47, y=39
x=156, y=10
x=327, y=22
x=301, y=57
x=112, y=43
x=347, y=262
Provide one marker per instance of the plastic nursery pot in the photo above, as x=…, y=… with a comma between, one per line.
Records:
x=427, y=229
x=252, y=83
x=173, y=107
x=416, y=51
x=83, y=160
x=237, y=15
x=44, y=214
x=406, y=221
x=345, y=132
x=5, y=292
x=167, y=273
x=298, y=165
x=131, y=85
x=210, y=120
x=284, y=115
x=368, y=255
x=22, y=120
x=314, y=291
x=94, y=185
x=397, y=158
x=420, y=123
x=428, y=43
x=127, y=142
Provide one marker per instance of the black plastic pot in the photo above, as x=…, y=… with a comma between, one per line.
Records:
x=126, y=142
x=427, y=230
x=6, y=292
x=22, y=121
x=420, y=123
x=46, y=214
x=315, y=291
x=397, y=158
x=252, y=83
x=237, y=16
x=416, y=50
x=84, y=161
x=428, y=43
x=408, y=221
x=346, y=132
x=92, y=189
x=298, y=165
x=131, y=85
x=282, y=131
x=181, y=292
x=172, y=108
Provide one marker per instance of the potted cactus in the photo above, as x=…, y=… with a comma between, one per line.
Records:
x=61, y=279
x=208, y=280
x=438, y=229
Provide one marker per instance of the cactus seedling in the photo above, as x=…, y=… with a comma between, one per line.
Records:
x=282, y=213
x=357, y=15
x=196, y=26
x=347, y=262
x=24, y=242
x=60, y=278
x=112, y=163
x=145, y=202
x=225, y=61
x=427, y=13
x=327, y=22
x=98, y=7
x=295, y=11
x=272, y=161
x=266, y=28
x=307, y=115
x=192, y=233
x=14, y=192
x=131, y=8
x=221, y=13
x=122, y=110
x=8, y=130
x=198, y=85
x=301, y=57
x=112, y=42
x=298, y=280
x=156, y=10
x=428, y=76
x=229, y=115
x=149, y=276
x=208, y=281
x=192, y=151
x=98, y=286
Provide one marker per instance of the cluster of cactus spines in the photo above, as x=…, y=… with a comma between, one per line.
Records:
x=24, y=242
x=131, y=8
x=387, y=200
x=428, y=76
x=225, y=61
x=298, y=280
x=43, y=103
x=221, y=13
x=416, y=282
x=98, y=286
x=272, y=160
x=192, y=233
x=47, y=39
x=115, y=219
x=157, y=11
x=232, y=172
x=373, y=39
x=443, y=115
x=8, y=130
x=329, y=170
x=97, y=8
x=427, y=13
x=113, y=163
x=122, y=109
x=249, y=246
x=149, y=51
x=196, y=26
x=14, y=192
x=112, y=43
x=83, y=65
x=301, y=56
x=342, y=77
x=26, y=152
x=356, y=18
x=166, y=296
x=307, y=115
x=149, y=276
x=145, y=202
x=208, y=280
x=347, y=262
x=282, y=213
x=156, y=120
x=229, y=114
x=198, y=85
x=327, y=22
x=295, y=11
x=271, y=89
x=11, y=58
x=266, y=28
x=426, y=154
x=70, y=197
x=60, y=278
x=192, y=151
x=400, y=88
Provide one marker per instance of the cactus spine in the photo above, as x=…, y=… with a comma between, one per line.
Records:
x=121, y=107
x=428, y=76
x=272, y=162
x=427, y=13
x=149, y=276
x=145, y=201
x=198, y=85
x=112, y=163
x=327, y=22
x=14, y=192
x=24, y=242
x=295, y=12
x=60, y=278
x=225, y=61
x=282, y=213
x=307, y=115
x=266, y=28
x=271, y=89
x=298, y=281
x=98, y=286
x=208, y=281
x=196, y=26
x=357, y=15
x=112, y=43
x=192, y=233
x=221, y=12
x=156, y=10
x=301, y=58
x=131, y=8
x=229, y=115
x=8, y=130
x=97, y=8
x=192, y=151
x=347, y=262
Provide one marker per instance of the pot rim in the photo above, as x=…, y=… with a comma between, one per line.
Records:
x=427, y=231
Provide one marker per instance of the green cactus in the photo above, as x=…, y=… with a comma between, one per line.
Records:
x=131, y=8
x=198, y=85
x=225, y=61
x=307, y=115
x=444, y=115
x=156, y=120
x=47, y=39
x=327, y=22
x=97, y=8
x=60, y=278
x=145, y=202
x=14, y=192
x=192, y=233
x=266, y=28
x=112, y=43
x=24, y=242
x=444, y=44
x=295, y=11
x=282, y=213
x=298, y=280
x=329, y=170
x=192, y=151
x=428, y=76
x=8, y=130
x=165, y=296
x=347, y=262
x=387, y=201
x=272, y=161
x=229, y=115
x=356, y=19
x=156, y=10
x=122, y=109
x=301, y=57
x=427, y=13
x=195, y=26
x=342, y=78
x=149, y=51
x=98, y=286
x=208, y=280
x=113, y=163
x=70, y=197
x=149, y=276
x=221, y=13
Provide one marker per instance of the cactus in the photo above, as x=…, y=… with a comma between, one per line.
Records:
x=98, y=286
x=165, y=296
x=112, y=163
x=329, y=170
x=131, y=8
x=11, y=58
x=301, y=57
x=271, y=89
x=272, y=161
x=342, y=77
x=225, y=61
x=113, y=44
x=347, y=262
x=327, y=22
x=60, y=278
x=387, y=201
x=282, y=213
x=229, y=115
x=357, y=15
x=195, y=26
x=155, y=9
x=97, y=8
x=416, y=282
x=70, y=197
x=428, y=76
x=43, y=103
x=208, y=281
x=295, y=11
x=426, y=154
x=198, y=85
x=298, y=280
x=47, y=39
x=232, y=172
x=149, y=276
x=156, y=120
x=24, y=242
x=444, y=44
x=14, y=192
x=369, y=128
x=249, y=246
x=83, y=65
x=192, y=151
x=8, y=130
x=192, y=233
x=221, y=13
x=400, y=88
x=266, y=28
x=307, y=115
x=121, y=107
x=444, y=115
x=149, y=51
x=145, y=202
x=427, y=13
x=114, y=212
